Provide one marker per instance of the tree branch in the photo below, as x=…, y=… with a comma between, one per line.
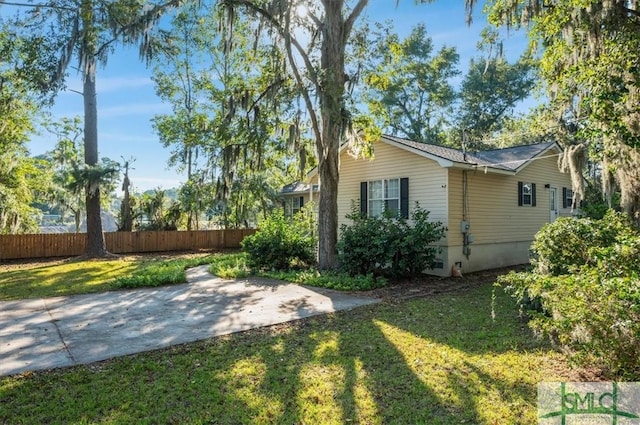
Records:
x=36, y=6
x=283, y=32
x=348, y=24
x=264, y=93
x=305, y=94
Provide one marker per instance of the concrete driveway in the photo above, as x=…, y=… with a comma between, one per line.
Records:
x=64, y=331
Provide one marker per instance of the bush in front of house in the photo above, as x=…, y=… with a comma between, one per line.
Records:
x=584, y=290
x=388, y=245
x=282, y=243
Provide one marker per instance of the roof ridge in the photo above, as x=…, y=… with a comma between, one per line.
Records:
x=519, y=146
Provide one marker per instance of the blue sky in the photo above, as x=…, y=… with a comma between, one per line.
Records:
x=127, y=100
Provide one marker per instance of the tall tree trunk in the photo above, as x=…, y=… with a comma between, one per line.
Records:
x=96, y=246
x=331, y=107
x=189, y=205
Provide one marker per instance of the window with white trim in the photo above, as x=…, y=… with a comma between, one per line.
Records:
x=384, y=195
x=568, y=198
x=292, y=205
x=390, y=195
x=526, y=194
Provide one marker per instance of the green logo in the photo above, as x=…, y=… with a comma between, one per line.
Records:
x=588, y=399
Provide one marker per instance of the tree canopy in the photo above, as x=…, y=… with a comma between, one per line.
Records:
x=88, y=30
x=411, y=85
x=591, y=67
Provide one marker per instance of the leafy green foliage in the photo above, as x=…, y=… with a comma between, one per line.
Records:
x=388, y=245
x=23, y=73
x=567, y=244
x=411, y=84
x=593, y=204
x=492, y=88
x=158, y=273
x=233, y=127
x=160, y=212
x=330, y=280
x=589, y=62
x=230, y=266
x=282, y=243
x=584, y=290
x=235, y=266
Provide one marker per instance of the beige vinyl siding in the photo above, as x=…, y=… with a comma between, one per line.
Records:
x=494, y=214
x=427, y=180
x=454, y=189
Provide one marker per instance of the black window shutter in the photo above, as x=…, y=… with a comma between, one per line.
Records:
x=301, y=201
x=564, y=197
x=519, y=194
x=363, y=198
x=404, y=198
x=533, y=194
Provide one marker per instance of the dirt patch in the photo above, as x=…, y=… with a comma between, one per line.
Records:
x=426, y=285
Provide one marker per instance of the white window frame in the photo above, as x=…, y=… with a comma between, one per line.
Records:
x=527, y=191
x=569, y=199
x=385, y=197
x=291, y=206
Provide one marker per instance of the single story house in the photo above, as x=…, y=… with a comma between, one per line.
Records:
x=296, y=195
x=491, y=203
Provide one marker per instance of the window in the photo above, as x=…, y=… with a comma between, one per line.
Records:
x=526, y=194
x=384, y=195
x=567, y=198
x=391, y=195
x=292, y=205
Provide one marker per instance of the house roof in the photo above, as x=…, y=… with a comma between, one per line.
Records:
x=509, y=160
x=505, y=161
x=297, y=187
x=514, y=157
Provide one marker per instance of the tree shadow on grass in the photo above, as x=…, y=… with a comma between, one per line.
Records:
x=412, y=362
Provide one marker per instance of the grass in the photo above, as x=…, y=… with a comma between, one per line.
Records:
x=438, y=360
x=331, y=280
x=235, y=266
x=230, y=266
x=70, y=277
x=91, y=276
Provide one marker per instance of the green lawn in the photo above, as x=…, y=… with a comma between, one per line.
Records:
x=439, y=360
x=90, y=276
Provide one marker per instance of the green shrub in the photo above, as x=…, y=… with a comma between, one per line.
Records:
x=593, y=206
x=560, y=246
x=158, y=273
x=230, y=266
x=282, y=243
x=330, y=280
x=569, y=243
x=388, y=245
x=584, y=292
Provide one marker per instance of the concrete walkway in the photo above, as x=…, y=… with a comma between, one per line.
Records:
x=64, y=331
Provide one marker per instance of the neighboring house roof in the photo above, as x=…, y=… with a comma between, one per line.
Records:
x=297, y=188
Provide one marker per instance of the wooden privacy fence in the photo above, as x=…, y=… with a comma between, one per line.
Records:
x=70, y=244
